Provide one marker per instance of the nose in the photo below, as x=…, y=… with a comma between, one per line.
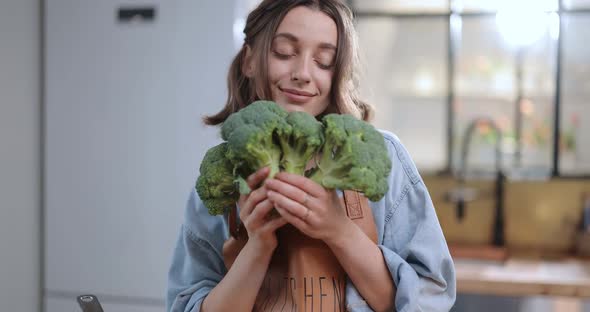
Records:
x=301, y=69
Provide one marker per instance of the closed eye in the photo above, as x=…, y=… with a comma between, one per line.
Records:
x=325, y=60
x=324, y=66
x=282, y=56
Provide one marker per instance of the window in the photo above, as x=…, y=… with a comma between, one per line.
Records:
x=435, y=66
x=406, y=79
x=574, y=147
x=401, y=6
x=576, y=4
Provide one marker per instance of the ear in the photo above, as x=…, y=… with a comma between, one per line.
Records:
x=248, y=62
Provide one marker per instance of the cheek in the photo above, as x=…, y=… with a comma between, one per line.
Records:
x=324, y=82
x=277, y=71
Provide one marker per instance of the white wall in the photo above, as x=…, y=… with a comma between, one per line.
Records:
x=19, y=155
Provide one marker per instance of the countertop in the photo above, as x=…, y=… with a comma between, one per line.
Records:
x=524, y=277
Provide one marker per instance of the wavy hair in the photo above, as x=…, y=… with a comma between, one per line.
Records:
x=261, y=26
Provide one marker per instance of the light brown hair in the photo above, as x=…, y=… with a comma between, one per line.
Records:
x=261, y=26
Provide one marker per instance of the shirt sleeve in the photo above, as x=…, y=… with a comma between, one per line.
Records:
x=413, y=244
x=197, y=263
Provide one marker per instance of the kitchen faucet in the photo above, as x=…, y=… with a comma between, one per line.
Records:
x=461, y=195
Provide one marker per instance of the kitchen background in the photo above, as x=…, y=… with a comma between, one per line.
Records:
x=100, y=139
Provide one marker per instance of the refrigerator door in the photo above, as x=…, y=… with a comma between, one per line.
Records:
x=124, y=97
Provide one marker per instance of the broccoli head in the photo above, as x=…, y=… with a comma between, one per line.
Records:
x=215, y=184
x=251, y=136
x=353, y=157
x=257, y=113
x=300, y=141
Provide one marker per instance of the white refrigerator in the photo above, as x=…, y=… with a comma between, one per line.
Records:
x=125, y=86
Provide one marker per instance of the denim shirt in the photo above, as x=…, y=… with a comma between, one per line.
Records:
x=408, y=231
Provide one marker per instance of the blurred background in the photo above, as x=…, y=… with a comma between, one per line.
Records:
x=100, y=136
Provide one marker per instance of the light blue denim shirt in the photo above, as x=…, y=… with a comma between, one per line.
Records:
x=409, y=236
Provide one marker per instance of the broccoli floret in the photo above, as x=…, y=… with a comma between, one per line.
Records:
x=254, y=114
x=215, y=184
x=300, y=141
x=251, y=136
x=353, y=157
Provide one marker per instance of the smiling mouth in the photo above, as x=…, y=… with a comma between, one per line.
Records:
x=297, y=92
x=297, y=96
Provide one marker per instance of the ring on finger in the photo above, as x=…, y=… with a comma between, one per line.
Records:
x=304, y=218
x=305, y=199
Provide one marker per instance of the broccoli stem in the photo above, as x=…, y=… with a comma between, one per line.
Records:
x=267, y=158
x=274, y=169
x=292, y=160
x=294, y=169
x=333, y=167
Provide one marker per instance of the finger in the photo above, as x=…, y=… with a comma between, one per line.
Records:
x=289, y=190
x=292, y=219
x=274, y=224
x=261, y=210
x=250, y=201
x=292, y=206
x=306, y=184
x=257, y=177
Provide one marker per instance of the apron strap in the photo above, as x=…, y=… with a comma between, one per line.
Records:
x=232, y=220
x=354, y=205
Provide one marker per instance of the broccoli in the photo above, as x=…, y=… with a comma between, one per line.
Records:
x=255, y=114
x=351, y=154
x=215, y=184
x=300, y=141
x=250, y=134
x=353, y=157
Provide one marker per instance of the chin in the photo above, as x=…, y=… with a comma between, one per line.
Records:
x=290, y=107
x=296, y=107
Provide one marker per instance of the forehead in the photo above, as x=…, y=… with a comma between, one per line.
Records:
x=309, y=26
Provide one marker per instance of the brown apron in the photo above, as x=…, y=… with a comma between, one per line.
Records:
x=304, y=274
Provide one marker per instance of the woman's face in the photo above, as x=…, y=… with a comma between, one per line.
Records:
x=301, y=61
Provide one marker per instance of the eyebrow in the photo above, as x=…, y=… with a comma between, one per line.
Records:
x=292, y=38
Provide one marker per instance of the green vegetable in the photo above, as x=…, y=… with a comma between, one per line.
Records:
x=250, y=134
x=353, y=157
x=243, y=186
x=350, y=154
x=215, y=184
x=300, y=142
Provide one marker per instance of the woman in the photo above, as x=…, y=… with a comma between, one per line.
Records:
x=302, y=54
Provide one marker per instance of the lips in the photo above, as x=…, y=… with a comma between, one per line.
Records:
x=297, y=92
x=297, y=96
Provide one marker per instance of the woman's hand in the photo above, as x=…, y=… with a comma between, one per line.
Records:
x=314, y=210
x=254, y=209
